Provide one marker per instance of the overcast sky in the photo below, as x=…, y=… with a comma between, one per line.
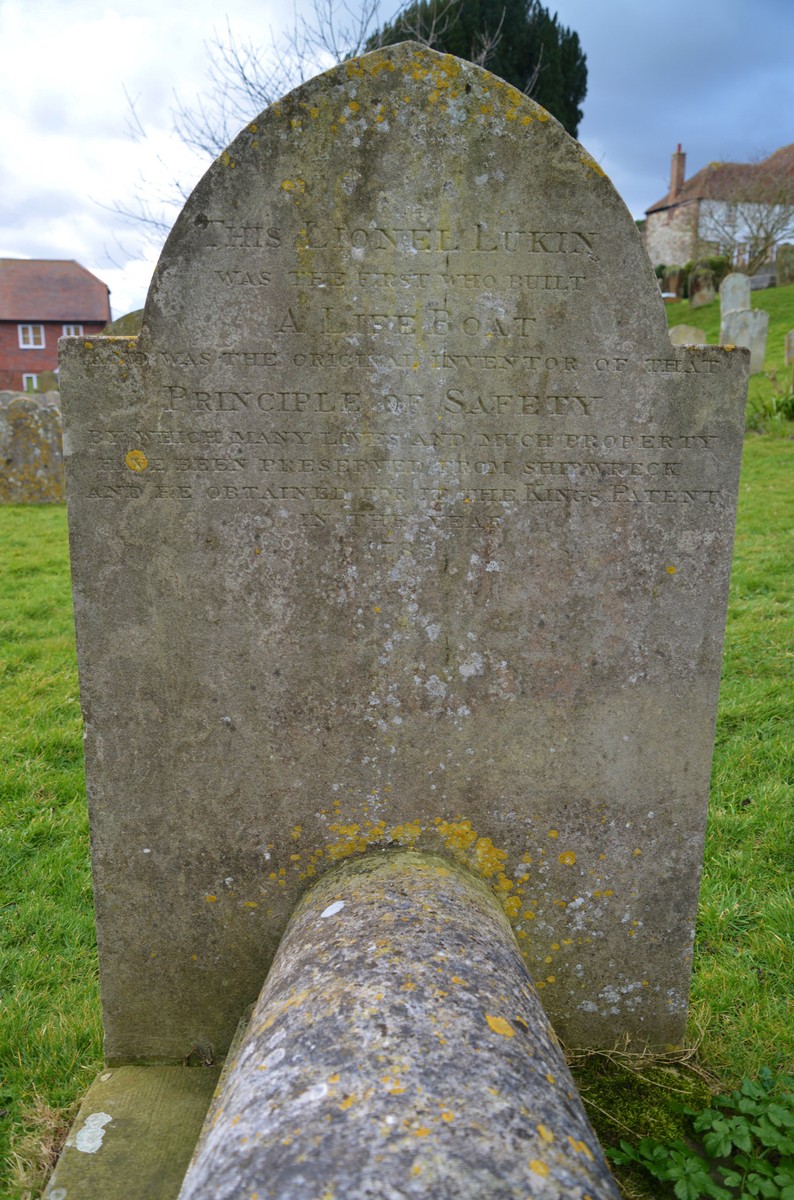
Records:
x=715, y=75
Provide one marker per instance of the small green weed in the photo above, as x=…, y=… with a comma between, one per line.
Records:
x=742, y=1146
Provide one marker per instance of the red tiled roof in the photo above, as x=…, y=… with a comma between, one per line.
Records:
x=769, y=181
x=40, y=289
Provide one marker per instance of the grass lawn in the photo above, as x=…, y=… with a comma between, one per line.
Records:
x=743, y=980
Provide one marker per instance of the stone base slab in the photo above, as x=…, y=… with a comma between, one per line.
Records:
x=134, y=1135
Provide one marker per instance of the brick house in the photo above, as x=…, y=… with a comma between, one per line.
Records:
x=723, y=208
x=40, y=301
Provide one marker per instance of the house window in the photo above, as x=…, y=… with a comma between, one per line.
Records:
x=72, y=331
x=31, y=337
x=30, y=383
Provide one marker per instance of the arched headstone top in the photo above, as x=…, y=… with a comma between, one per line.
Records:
x=412, y=163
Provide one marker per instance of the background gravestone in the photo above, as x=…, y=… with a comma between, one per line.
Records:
x=735, y=293
x=687, y=335
x=401, y=523
x=701, y=287
x=747, y=328
x=31, y=454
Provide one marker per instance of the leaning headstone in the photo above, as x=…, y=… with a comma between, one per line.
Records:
x=687, y=335
x=734, y=293
x=31, y=454
x=747, y=328
x=401, y=524
x=701, y=287
x=790, y=347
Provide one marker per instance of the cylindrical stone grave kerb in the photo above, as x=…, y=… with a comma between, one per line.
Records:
x=398, y=1049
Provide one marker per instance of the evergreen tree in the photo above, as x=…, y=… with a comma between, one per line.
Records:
x=516, y=39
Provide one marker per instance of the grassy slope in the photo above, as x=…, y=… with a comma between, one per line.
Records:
x=767, y=388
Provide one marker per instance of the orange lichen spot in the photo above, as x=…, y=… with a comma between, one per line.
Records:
x=447, y=1116
x=334, y=1078
x=567, y=858
x=210, y=899
x=538, y=1167
x=422, y=1131
x=348, y=1102
x=546, y=1134
x=500, y=1025
x=136, y=460
x=550, y=1079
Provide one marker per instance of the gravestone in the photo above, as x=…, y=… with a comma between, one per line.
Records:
x=31, y=455
x=687, y=335
x=734, y=293
x=790, y=347
x=784, y=265
x=400, y=524
x=747, y=328
x=701, y=287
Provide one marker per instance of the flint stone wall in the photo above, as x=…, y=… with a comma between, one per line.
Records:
x=401, y=524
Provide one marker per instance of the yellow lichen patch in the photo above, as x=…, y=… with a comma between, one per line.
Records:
x=550, y=1079
x=136, y=460
x=587, y=161
x=422, y=1131
x=671, y=570
x=297, y=831
x=252, y=128
x=227, y=160
x=447, y=1116
x=348, y=1102
x=567, y=858
x=636, y=854
x=250, y=904
x=538, y=1167
x=334, y=1078
x=210, y=899
x=500, y=1025
x=529, y=916
x=580, y=1147
x=512, y=905
x=545, y=1133
x=294, y=185
x=554, y=833
x=416, y=1169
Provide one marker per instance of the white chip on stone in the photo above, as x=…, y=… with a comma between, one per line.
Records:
x=333, y=909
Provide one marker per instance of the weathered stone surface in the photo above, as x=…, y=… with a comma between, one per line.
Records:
x=790, y=346
x=701, y=287
x=134, y=1135
x=747, y=328
x=31, y=456
x=402, y=523
x=687, y=335
x=398, y=1048
x=734, y=293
